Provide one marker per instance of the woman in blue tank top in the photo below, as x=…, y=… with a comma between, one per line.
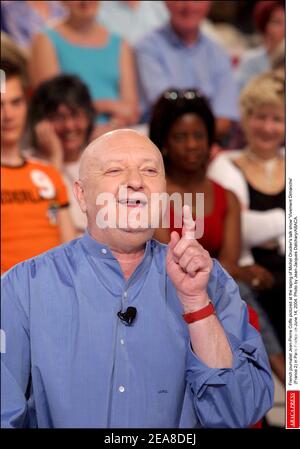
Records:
x=79, y=45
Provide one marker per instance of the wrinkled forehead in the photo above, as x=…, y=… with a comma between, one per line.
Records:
x=129, y=152
x=120, y=150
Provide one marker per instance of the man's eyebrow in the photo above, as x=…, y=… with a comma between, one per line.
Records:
x=144, y=160
x=149, y=160
x=112, y=161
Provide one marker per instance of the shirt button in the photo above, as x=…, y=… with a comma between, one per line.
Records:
x=121, y=389
x=104, y=251
x=125, y=295
x=122, y=341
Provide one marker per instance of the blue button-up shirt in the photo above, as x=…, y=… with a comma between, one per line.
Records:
x=132, y=23
x=164, y=62
x=71, y=362
x=253, y=63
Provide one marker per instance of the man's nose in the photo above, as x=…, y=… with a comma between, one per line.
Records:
x=134, y=179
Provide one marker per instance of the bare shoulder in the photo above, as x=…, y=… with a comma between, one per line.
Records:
x=232, y=200
x=40, y=39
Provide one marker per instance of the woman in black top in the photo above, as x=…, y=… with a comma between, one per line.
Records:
x=263, y=167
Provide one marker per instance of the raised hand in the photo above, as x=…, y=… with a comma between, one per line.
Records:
x=49, y=143
x=188, y=265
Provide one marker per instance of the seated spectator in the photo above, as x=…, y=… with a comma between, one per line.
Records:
x=61, y=118
x=257, y=176
x=269, y=17
x=23, y=19
x=80, y=46
x=182, y=127
x=132, y=19
x=34, y=212
x=179, y=55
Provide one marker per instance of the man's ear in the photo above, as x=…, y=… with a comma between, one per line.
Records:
x=78, y=191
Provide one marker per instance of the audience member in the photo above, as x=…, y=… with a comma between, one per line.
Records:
x=34, y=212
x=180, y=56
x=80, y=46
x=61, y=118
x=132, y=19
x=23, y=19
x=269, y=17
x=182, y=126
x=257, y=176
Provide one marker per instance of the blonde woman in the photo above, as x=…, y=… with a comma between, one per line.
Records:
x=257, y=176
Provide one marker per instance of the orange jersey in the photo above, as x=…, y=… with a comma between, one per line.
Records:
x=31, y=195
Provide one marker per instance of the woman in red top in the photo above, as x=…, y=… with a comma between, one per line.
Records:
x=182, y=127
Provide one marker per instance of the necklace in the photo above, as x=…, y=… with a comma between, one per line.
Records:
x=268, y=166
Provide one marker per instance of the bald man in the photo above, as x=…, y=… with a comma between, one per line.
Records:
x=117, y=330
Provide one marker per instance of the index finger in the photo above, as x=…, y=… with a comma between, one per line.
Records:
x=188, y=230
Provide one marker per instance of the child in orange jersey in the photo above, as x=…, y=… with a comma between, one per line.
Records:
x=34, y=201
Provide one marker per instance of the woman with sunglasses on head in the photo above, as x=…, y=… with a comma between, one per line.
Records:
x=182, y=126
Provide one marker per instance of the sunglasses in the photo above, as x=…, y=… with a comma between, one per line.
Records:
x=187, y=94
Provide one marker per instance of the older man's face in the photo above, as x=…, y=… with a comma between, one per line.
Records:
x=186, y=16
x=125, y=167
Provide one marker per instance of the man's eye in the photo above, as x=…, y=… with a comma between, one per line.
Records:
x=113, y=171
x=150, y=170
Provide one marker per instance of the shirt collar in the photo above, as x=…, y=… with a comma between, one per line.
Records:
x=176, y=40
x=103, y=251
